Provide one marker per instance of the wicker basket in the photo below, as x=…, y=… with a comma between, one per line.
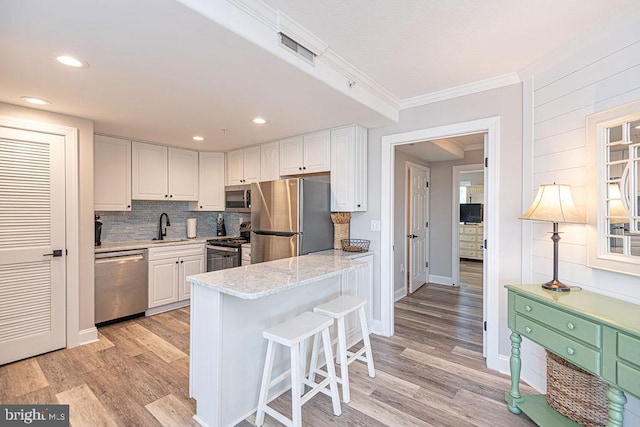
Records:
x=575, y=393
x=355, y=245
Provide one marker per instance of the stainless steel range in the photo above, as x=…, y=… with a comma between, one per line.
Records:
x=226, y=253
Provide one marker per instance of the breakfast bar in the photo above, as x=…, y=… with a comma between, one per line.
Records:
x=230, y=309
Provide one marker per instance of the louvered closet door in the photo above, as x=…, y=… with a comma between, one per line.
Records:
x=32, y=224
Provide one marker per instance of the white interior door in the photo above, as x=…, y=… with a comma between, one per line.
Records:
x=32, y=230
x=418, y=226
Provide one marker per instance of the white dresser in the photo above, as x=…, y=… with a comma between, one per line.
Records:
x=471, y=241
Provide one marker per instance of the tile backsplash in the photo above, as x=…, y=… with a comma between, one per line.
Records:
x=141, y=223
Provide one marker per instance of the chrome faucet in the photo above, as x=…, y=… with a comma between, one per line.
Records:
x=160, y=233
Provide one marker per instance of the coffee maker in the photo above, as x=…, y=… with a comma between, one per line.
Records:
x=98, y=229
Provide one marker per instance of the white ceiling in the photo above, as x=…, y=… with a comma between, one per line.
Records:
x=161, y=72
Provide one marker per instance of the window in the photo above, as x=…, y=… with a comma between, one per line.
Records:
x=613, y=145
x=463, y=191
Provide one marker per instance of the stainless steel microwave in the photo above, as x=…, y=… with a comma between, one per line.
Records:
x=237, y=198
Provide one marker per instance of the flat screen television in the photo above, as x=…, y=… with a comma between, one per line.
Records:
x=470, y=213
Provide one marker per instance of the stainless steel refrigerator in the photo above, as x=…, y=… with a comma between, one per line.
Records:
x=290, y=217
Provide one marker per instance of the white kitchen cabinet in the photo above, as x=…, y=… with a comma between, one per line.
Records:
x=270, y=161
x=349, y=169
x=211, y=172
x=243, y=166
x=163, y=173
x=360, y=284
x=183, y=174
x=310, y=153
x=111, y=174
x=169, y=265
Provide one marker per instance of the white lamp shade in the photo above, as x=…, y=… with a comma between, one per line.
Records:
x=554, y=203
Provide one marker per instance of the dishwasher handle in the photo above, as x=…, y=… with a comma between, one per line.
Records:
x=106, y=257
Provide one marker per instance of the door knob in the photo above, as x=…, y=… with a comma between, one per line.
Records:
x=412, y=236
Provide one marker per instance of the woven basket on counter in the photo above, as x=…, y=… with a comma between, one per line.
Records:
x=575, y=393
x=355, y=245
x=340, y=227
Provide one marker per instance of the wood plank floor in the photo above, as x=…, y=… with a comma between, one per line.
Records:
x=431, y=373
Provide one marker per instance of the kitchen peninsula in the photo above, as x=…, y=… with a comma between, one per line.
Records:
x=230, y=309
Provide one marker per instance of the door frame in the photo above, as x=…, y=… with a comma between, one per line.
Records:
x=455, y=231
x=72, y=221
x=491, y=126
x=407, y=225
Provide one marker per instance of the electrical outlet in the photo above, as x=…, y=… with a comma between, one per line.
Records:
x=375, y=225
x=401, y=268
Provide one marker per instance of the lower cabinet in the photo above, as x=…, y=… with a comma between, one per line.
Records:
x=360, y=284
x=168, y=268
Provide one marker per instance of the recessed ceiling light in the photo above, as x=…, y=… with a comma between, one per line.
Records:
x=198, y=138
x=34, y=100
x=71, y=61
x=259, y=121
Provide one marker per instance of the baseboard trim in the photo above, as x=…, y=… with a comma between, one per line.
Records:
x=87, y=336
x=441, y=280
x=375, y=327
x=399, y=293
x=168, y=307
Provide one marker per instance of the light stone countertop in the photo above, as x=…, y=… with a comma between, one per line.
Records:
x=268, y=278
x=339, y=253
x=142, y=244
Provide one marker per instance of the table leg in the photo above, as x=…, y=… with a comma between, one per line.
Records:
x=617, y=400
x=515, y=365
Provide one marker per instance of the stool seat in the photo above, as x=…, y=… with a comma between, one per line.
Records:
x=339, y=307
x=297, y=329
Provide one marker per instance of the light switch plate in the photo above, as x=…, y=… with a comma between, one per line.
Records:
x=375, y=225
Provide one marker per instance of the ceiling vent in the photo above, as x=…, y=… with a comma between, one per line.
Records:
x=297, y=48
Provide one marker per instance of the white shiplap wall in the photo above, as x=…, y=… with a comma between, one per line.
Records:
x=601, y=75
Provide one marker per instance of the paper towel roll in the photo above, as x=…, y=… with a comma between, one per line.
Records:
x=192, y=225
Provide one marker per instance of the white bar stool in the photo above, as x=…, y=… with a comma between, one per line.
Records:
x=291, y=334
x=338, y=309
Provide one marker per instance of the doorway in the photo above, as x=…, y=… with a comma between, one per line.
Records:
x=417, y=226
x=39, y=246
x=490, y=293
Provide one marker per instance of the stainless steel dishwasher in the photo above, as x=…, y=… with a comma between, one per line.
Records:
x=121, y=287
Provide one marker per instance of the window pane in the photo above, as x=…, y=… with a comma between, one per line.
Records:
x=615, y=133
x=635, y=245
x=615, y=245
x=635, y=132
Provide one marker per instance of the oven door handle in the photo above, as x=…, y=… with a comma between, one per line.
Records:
x=222, y=248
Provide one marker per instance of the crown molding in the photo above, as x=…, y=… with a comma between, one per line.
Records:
x=300, y=34
x=462, y=90
x=258, y=10
x=356, y=78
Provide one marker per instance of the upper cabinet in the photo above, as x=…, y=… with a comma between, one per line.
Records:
x=349, y=169
x=243, y=166
x=112, y=174
x=270, y=161
x=164, y=173
x=211, y=185
x=310, y=153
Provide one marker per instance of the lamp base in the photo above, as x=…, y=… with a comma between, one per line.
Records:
x=556, y=286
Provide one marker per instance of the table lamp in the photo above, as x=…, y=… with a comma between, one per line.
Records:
x=554, y=203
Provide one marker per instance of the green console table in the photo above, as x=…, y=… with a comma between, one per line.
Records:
x=597, y=333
